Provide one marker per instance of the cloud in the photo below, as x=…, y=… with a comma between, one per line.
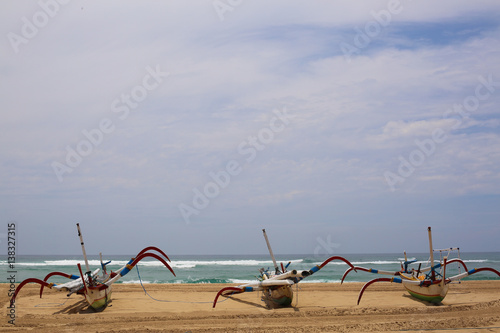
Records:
x=401, y=129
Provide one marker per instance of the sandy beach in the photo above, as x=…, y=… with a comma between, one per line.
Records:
x=469, y=306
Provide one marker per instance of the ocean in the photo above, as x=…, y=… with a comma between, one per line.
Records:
x=235, y=269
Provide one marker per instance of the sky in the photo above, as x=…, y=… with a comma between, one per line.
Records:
x=339, y=127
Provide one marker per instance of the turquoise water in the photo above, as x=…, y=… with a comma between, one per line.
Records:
x=236, y=269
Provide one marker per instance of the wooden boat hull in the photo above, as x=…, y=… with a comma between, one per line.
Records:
x=280, y=296
x=434, y=293
x=98, y=299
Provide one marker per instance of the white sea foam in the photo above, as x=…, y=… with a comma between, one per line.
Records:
x=240, y=281
x=136, y=282
x=320, y=281
x=374, y=262
x=174, y=263
x=358, y=263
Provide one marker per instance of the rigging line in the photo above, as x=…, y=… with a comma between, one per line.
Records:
x=169, y=301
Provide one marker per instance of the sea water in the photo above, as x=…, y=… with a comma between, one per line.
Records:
x=238, y=269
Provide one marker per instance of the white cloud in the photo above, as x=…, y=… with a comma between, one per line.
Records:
x=401, y=129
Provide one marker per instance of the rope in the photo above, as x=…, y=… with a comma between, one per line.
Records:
x=49, y=305
x=169, y=301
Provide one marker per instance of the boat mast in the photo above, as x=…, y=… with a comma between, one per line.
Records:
x=432, y=253
x=83, y=248
x=271, y=252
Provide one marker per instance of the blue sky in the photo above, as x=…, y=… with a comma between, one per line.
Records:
x=193, y=125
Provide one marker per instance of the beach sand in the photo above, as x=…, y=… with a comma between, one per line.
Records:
x=472, y=306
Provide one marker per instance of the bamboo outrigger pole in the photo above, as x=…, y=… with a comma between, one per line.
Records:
x=271, y=252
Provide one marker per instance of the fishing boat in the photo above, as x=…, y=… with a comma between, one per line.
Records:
x=428, y=284
x=95, y=286
x=276, y=286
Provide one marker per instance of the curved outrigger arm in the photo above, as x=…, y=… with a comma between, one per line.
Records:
x=30, y=280
x=318, y=267
x=152, y=255
x=331, y=259
x=71, y=286
x=460, y=261
x=445, y=263
x=153, y=248
x=298, y=276
x=115, y=276
x=423, y=270
x=257, y=286
x=369, y=270
x=233, y=290
x=472, y=271
x=69, y=276
x=395, y=280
